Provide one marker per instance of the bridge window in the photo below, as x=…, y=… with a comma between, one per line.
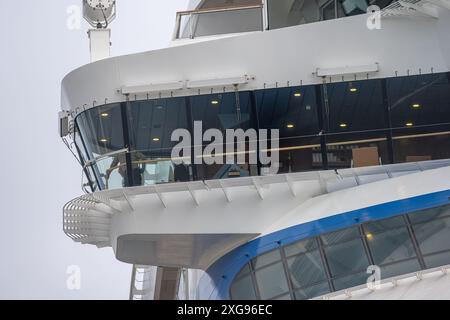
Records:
x=286, y=13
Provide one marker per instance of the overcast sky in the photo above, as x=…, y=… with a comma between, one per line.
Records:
x=38, y=174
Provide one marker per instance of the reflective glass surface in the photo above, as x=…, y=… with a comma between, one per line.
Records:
x=339, y=260
x=328, y=126
x=286, y=13
x=271, y=281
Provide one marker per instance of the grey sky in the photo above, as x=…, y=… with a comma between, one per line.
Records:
x=38, y=174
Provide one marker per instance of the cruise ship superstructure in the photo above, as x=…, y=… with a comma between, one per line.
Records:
x=359, y=93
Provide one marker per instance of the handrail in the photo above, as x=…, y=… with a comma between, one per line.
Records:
x=180, y=14
x=104, y=156
x=155, y=160
x=220, y=9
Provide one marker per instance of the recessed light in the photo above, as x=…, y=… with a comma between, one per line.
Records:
x=156, y=139
x=416, y=105
x=104, y=114
x=290, y=126
x=409, y=124
x=353, y=89
x=215, y=102
x=297, y=94
x=104, y=140
x=343, y=125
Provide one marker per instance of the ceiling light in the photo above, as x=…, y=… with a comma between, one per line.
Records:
x=343, y=125
x=409, y=124
x=290, y=126
x=104, y=114
x=416, y=105
x=353, y=89
x=156, y=139
x=297, y=94
x=369, y=236
x=104, y=140
x=159, y=107
x=215, y=102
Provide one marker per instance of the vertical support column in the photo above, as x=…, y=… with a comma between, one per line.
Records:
x=254, y=112
x=100, y=44
x=387, y=114
x=167, y=283
x=323, y=120
x=126, y=140
x=190, y=124
x=325, y=264
x=415, y=242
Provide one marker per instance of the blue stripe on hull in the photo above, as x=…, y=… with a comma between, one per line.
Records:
x=223, y=271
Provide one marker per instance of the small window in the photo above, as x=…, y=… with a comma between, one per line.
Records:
x=429, y=214
x=306, y=269
x=340, y=236
x=347, y=257
x=433, y=236
x=383, y=225
x=390, y=246
x=301, y=247
x=351, y=281
x=400, y=268
x=242, y=289
x=266, y=259
x=437, y=260
x=271, y=281
x=312, y=292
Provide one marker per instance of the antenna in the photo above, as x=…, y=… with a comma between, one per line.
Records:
x=99, y=14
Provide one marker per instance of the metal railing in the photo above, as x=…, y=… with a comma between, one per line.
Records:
x=192, y=21
x=156, y=166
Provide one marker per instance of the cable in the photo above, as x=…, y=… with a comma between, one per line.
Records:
x=104, y=17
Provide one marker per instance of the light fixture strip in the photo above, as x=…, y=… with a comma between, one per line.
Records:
x=212, y=83
x=152, y=88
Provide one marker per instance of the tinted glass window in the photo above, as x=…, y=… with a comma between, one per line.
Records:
x=300, y=247
x=383, y=225
x=101, y=129
x=242, y=289
x=293, y=111
x=399, y=268
x=311, y=292
x=151, y=124
x=430, y=214
x=266, y=259
x=271, y=281
x=346, y=257
x=285, y=13
x=350, y=281
x=419, y=100
x=390, y=246
x=340, y=259
x=306, y=269
x=222, y=112
x=433, y=236
x=340, y=236
x=356, y=106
